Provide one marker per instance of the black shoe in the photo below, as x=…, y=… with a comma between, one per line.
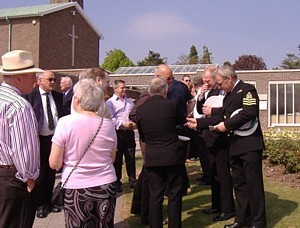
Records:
x=233, y=225
x=223, y=217
x=41, y=213
x=210, y=211
x=56, y=209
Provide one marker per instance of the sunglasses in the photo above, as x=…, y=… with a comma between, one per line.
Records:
x=51, y=79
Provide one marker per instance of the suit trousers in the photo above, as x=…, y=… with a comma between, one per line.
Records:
x=47, y=175
x=17, y=205
x=171, y=177
x=221, y=187
x=126, y=147
x=249, y=188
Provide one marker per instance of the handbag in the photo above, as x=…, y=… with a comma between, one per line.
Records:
x=59, y=190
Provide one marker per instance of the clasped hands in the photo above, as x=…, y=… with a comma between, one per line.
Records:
x=129, y=125
x=192, y=124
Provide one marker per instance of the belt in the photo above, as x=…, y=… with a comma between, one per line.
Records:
x=7, y=167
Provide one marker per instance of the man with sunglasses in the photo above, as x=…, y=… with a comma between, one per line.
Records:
x=47, y=105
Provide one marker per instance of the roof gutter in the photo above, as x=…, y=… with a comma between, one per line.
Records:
x=9, y=33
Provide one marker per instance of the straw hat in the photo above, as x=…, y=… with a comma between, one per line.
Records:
x=18, y=62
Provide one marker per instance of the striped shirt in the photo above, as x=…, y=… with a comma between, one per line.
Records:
x=19, y=142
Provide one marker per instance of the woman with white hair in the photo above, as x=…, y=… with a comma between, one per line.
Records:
x=84, y=144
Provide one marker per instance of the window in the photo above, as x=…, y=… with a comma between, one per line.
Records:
x=284, y=104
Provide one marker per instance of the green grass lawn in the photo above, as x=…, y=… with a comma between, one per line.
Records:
x=282, y=204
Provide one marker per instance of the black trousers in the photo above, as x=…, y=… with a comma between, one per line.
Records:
x=17, y=205
x=171, y=177
x=126, y=147
x=203, y=154
x=140, y=198
x=221, y=185
x=249, y=188
x=47, y=175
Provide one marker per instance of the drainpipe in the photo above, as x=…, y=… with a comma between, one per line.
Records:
x=9, y=33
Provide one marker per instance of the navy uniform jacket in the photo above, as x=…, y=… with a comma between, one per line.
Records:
x=156, y=121
x=242, y=96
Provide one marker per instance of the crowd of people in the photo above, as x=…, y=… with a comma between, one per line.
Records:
x=84, y=133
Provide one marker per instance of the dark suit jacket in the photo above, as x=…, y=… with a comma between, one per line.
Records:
x=242, y=96
x=66, y=104
x=35, y=100
x=156, y=120
x=214, y=140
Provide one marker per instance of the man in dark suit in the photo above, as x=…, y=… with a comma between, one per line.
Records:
x=217, y=144
x=157, y=119
x=47, y=105
x=66, y=86
x=245, y=150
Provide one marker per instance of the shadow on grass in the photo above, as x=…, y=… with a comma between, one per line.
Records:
x=277, y=209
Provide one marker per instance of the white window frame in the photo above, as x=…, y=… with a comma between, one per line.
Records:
x=284, y=83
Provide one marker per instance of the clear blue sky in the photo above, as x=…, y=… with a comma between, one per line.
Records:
x=267, y=28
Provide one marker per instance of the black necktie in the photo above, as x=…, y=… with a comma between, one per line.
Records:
x=49, y=113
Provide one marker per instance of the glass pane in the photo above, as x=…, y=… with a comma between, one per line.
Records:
x=289, y=103
x=273, y=102
x=297, y=103
x=281, y=103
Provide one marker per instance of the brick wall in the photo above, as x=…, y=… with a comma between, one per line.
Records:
x=24, y=36
x=56, y=43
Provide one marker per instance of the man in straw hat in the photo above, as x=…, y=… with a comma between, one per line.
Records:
x=19, y=142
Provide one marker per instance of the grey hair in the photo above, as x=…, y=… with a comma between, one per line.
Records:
x=89, y=95
x=69, y=80
x=225, y=71
x=158, y=86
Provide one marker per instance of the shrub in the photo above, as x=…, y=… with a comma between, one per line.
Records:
x=283, y=147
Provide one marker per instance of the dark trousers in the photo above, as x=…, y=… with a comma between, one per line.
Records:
x=17, y=205
x=221, y=185
x=203, y=154
x=160, y=177
x=140, y=198
x=249, y=188
x=126, y=147
x=47, y=175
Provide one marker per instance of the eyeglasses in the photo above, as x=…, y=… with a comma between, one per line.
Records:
x=187, y=80
x=51, y=79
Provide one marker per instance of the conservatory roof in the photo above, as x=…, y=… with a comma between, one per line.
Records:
x=177, y=69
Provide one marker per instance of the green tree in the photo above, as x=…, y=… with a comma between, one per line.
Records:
x=249, y=62
x=193, y=56
x=115, y=59
x=291, y=62
x=227, y=63
x=153, y=59
x=206, y=57
x=183, y=59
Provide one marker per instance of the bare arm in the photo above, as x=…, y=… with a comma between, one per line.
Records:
x=56, y=157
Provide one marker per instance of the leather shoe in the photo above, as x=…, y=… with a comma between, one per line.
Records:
x=56, y=209
x=41, y=213
x=233, y=225
x=210, y=211
x=223, y=217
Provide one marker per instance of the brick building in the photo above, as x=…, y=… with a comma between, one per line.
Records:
x=60, y=35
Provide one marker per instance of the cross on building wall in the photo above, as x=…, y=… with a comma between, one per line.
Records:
x=73, y=36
